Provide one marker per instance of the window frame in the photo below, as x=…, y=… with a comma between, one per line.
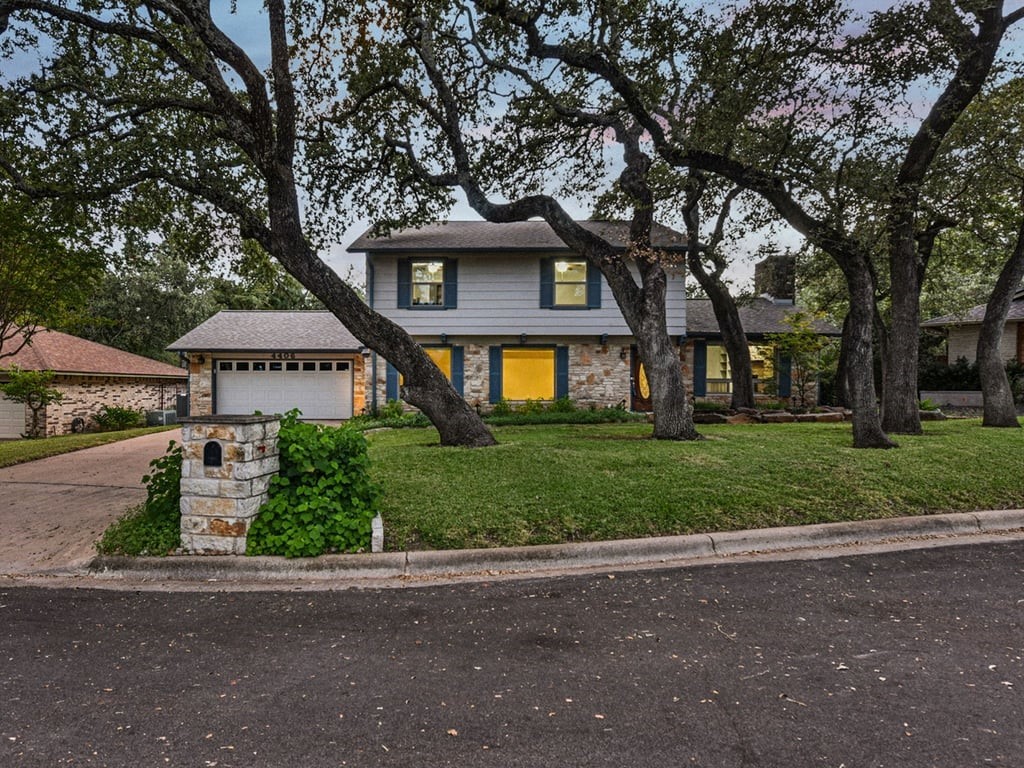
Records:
x=447, y=284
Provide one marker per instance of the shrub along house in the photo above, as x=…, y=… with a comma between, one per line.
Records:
x=89, y=376
x=509, y=312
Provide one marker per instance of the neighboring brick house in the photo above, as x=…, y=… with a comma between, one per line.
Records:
x=89, y=375
x=509, y=312
x=962, y=332
x=272, y=361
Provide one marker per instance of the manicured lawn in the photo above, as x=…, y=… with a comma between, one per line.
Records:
x=585, y=483
x=18, y=451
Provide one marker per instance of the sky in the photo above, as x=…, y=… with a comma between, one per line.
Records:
x=245, y=22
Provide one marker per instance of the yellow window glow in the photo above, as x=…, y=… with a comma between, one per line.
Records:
x=442, y=357
x=528, y=374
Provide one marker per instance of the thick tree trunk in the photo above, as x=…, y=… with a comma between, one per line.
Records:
x=901, y=412
x=999, y=408
x=427, y=387
x=867, y=428
x=733, y=337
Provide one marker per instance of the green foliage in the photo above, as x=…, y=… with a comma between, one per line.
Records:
x=154, y=528
x=364, y=423
x=323, y=499
x=33, y=389
x=709, y=406
x=502, y=408
x=44, y=273
x=596, y=416
x=392, y=409
x=562, y=405
x=811, y=353
x=927, y=405
x=114, y=417
x=962, y=376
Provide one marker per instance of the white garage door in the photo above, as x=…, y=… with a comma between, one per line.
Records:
x=321, y=389
x=12, y=418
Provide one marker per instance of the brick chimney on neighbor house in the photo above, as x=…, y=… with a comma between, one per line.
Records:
x=775, y=278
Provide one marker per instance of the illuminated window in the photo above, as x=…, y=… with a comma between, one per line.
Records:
x=427, y=283
x=442, y=357
x=528, y=374
x=570, y=283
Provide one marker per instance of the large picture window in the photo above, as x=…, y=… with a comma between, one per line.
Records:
x=528, y=374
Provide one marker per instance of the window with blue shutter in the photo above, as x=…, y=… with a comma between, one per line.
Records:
x=427, y=283
x=700, y=368
x=785, y=372
x=569, y=284
x=458, y=369
x=390, y=383
x=561, y=372
x=494, y=368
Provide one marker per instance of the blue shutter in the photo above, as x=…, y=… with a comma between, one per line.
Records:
x=700, y=368
x=593, y=287
x=390, y=383
x=561, y=372
x=785, y=376
x=404, y=283
x=494, y=353
x=458, y=369
x=451, y=283
x=547, y=283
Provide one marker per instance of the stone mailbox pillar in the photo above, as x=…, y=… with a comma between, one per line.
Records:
x=226, y=469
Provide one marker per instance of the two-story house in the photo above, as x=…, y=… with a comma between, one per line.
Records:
x=509, y=312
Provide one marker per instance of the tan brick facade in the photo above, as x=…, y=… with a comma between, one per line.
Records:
x=86, y=395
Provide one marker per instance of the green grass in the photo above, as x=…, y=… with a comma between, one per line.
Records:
x=551, y=484
x=18, y=451
x=140, y=532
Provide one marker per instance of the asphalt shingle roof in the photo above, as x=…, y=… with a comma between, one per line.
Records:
x=63, y=353
x=758, y=317
x=451, y=236
x=268, y=330
x=975, y=315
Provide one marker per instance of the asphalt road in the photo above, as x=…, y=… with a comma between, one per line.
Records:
x=907, y=659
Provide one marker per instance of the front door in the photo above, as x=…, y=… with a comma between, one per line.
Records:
x=639, y=387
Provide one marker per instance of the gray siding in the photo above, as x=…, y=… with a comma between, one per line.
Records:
x=500, y=294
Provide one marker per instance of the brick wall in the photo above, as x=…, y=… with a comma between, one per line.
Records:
x=85, y=395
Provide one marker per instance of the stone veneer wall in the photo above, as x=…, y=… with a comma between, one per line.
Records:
x=85, y=395
x=219, y=502
x=598, y=374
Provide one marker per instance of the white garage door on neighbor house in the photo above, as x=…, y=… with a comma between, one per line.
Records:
x=321, y=389
x=12, y=419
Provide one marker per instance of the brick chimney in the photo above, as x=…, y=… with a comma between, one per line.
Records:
x=775, y=278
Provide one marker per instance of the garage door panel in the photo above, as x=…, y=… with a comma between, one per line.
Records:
x=12, y=418
x=319, y=394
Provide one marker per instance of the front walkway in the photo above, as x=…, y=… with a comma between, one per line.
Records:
x=53, y=510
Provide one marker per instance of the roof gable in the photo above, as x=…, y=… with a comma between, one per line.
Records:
x=758, y=317
x=63, y=353
x=269, y=330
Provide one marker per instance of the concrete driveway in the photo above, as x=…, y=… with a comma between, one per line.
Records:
x=53, y=510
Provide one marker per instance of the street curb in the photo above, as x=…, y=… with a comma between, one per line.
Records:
x=560, y=557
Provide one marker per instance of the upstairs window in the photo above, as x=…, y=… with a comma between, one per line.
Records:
x=426, y=284
x=569, y=284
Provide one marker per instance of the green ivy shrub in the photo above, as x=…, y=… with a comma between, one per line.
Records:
x=323, y=499
x=393, y=409
x=154, y=528
x=113, y=417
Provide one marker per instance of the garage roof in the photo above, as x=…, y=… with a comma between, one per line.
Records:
x=452, y=236
x=267, y=331
x=63, y=353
